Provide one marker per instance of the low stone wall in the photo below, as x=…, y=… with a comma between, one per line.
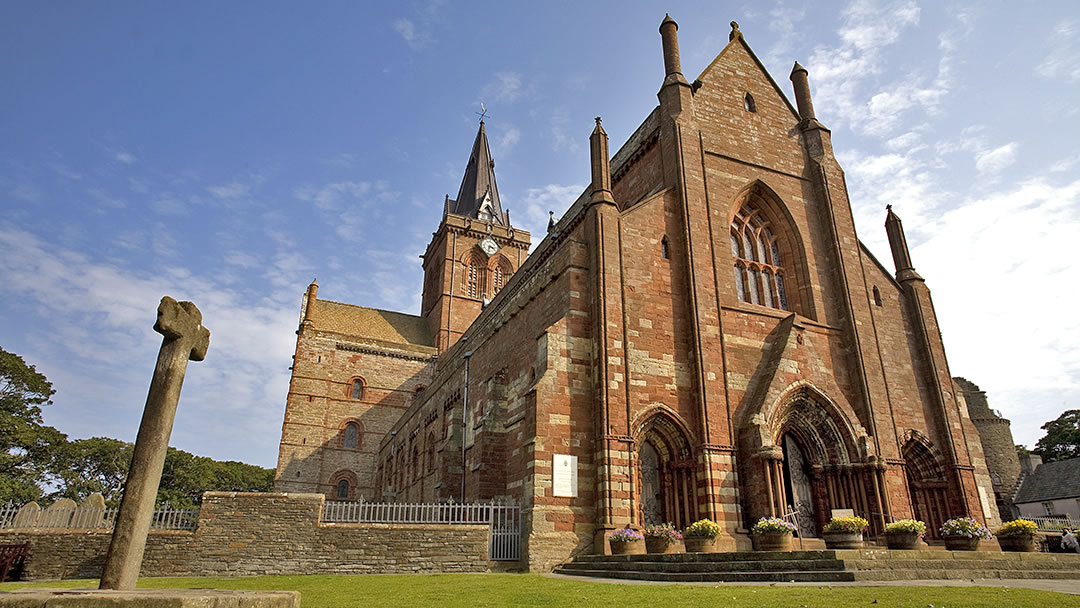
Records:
x=247, y=534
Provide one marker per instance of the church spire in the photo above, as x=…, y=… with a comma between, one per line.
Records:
x=478, y=196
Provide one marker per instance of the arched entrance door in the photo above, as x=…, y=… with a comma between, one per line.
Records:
x=798, y=485
x=928, y=487
x=666, y=477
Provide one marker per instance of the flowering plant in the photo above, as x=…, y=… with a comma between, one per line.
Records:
x=626, y=535
x=851, y=525
x=703, y=527
x=772, y=524
x=1018, y=527
x=966, y=527
x=906, y=526
x=664, y=531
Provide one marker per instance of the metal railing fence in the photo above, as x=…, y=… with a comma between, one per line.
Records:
x=91, y=519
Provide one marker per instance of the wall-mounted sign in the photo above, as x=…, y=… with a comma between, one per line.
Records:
x=564, y=475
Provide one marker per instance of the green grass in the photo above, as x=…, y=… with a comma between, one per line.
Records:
x=448, y=590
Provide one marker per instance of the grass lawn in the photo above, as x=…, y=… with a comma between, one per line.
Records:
x=325, y=591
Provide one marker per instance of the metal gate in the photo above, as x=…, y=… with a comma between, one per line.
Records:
x=503, y=520
x=504, y=533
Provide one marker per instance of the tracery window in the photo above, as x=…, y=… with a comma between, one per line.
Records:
x=474, y=278
x=758, y=266
x=497, y=278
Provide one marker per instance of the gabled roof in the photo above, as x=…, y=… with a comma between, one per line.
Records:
x=478, y=189
x=1051, y=481
x=371, y=323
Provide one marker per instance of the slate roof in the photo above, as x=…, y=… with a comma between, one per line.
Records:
x=478, y=184
x=1051, y=481
x=371, y=323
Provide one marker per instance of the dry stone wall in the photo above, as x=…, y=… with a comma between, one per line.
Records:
x=249, y=534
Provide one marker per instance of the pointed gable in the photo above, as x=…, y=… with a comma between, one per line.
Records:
x=760, y=129
x=478, y=196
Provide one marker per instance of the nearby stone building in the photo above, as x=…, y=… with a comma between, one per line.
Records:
x=701, y=334
x=996, y=437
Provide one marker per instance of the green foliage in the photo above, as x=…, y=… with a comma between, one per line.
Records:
x=703, y=527
x=852, y=525
x=85, y=466
x=1018, y=527
x=1062, y=439
x=26, y=445
x=469, y=590
x=902, y=526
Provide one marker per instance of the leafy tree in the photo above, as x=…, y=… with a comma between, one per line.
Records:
x=26, y=445
x=1062, y=439
x=85, y=466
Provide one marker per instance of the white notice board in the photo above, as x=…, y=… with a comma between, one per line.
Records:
x=564, y=475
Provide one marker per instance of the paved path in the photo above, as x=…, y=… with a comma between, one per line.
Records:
x=1060, y=586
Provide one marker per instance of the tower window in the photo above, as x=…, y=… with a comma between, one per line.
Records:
x=474, y=277
x=759, y=271
x=343, y=488
x=497, y=279
x=351, y=438
x=665, y=252
x=357, y=389
x=748, y=103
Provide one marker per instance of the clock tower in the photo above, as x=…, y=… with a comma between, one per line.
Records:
x=473, y=253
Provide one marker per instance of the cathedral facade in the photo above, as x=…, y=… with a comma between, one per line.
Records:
x=700, y=335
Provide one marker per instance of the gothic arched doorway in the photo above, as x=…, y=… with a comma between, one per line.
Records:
x=928, y=486
x=666, y=474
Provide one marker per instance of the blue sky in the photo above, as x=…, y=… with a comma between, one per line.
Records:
x=228, y=153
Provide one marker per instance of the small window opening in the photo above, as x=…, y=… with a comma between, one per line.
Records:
x=877, y=296
x=358, y=389
x=664, y=250
x=343, y=489
x=748, y=103
x=352, y=432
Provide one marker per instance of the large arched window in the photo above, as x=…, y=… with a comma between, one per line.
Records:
x=759, y=267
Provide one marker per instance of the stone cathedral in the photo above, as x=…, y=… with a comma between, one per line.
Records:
x=700, y=335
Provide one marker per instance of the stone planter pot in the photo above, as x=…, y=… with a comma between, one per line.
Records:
x=1023, y=543
x=700, y=544
x=961, y=543
x=625, y=547
x=902, y=540
x=843, y=540
x=656, y=544
x=771, y=541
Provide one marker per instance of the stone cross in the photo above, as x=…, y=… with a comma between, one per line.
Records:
x=185, y=338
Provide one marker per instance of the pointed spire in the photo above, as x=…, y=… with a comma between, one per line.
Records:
x=601, y=165
x=802, y=92
x=898, y=243
x=478, y=196
x=669, y=37
x=551, y=221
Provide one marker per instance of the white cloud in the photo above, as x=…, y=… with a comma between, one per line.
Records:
x=415, y=36
x=506, y=87
x=989, y=161
x=25, y=192
x=1060, y=57
x=506, y=141
x=100, y=316
x=537, y=203
x=64, y=171
x=332, y=195
x=232, y=190
x=126, y=158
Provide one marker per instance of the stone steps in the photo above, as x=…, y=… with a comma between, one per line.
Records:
x=826, y=566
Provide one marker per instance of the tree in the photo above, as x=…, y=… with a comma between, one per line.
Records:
x=85, y=466
x=26, y=445
x=1062, y=439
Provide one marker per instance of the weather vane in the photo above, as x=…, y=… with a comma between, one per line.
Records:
x=482, y=113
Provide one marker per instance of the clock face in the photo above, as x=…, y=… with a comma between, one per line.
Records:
x=489, y=246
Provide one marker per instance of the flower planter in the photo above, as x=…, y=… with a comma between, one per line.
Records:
x=1023, y=543
x=843, y=540
x=658, y=544
x=961, y=543
x=625, y=547
x=771, y=541
x=902, y=540
x=700, y=544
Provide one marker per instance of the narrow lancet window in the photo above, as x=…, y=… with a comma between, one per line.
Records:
x=358, y=389
x=748, y=103
x=664, y=252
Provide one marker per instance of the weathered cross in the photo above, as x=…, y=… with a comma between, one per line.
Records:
x=185, y=338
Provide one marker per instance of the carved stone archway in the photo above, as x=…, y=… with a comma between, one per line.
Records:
x=666, y=472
